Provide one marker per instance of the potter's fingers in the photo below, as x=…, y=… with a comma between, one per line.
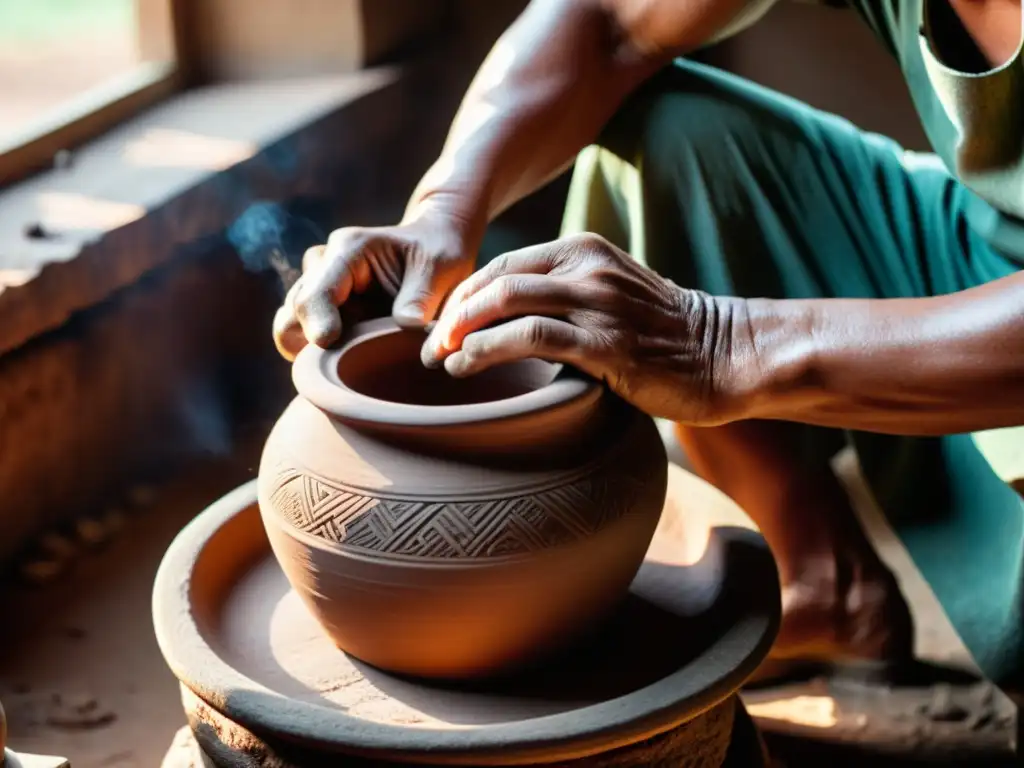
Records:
x=327, y=285
x=288, y=336
x=420, y=296
x=535, y=260
x=317, y=311
x=362, y=275
x=387, y=269
x=526, y=337
x=290, y=297
x=312, y=257
x=507, y=297
x=344, y=263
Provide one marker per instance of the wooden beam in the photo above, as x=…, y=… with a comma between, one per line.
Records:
x=84, y=118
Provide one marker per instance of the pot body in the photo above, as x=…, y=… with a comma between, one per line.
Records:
x=453, y=563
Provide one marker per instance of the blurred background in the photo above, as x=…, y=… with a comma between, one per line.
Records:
x=163, y=165
x=54, y=51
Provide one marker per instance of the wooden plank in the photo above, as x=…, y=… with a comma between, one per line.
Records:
x=84, y=118
x=256, y=39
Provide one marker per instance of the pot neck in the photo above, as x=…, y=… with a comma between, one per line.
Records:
x=550, y=409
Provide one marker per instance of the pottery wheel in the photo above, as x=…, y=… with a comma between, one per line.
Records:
x=701, y=615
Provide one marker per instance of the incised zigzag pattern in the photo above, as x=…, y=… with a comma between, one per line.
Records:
x=466, y=528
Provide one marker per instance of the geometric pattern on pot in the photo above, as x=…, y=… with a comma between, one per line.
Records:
x=464, y=528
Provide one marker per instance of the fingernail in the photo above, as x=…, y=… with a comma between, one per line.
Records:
x=408, y=317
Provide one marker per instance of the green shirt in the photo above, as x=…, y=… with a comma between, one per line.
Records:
x=973, y=115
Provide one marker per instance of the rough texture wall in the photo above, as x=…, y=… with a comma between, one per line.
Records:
x=158, y=375
x=161, y=367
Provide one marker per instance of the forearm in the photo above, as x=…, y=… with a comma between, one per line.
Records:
x=929, y=366
x=546, y=90
x=538, y=98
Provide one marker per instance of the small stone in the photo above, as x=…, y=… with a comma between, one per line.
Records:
x=91, y=531
x=74, y=633
x=113, y=520
x=41, y=570
x=57, y=545
x=142, y=496
x=35, y=231
x=78, y=712
x=83, y=704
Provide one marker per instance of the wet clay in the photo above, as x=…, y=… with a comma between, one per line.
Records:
x=456, y=529
x=698, y=618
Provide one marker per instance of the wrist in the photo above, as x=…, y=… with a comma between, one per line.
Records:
x=770, y=360
x=444, y=196
x=446, y=211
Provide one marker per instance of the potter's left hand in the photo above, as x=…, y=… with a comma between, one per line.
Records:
x=583, y=302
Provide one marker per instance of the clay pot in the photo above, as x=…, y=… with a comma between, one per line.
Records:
x=455, y=528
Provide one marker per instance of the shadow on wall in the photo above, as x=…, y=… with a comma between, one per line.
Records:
x=132, y=388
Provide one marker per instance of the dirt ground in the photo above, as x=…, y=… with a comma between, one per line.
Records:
x=81, y=675
x=80, y=672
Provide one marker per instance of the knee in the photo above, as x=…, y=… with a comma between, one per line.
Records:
x=688, y=110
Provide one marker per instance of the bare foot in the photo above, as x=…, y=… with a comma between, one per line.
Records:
x=842, y=611
x=839, y=600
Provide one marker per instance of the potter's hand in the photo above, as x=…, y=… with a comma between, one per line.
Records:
x=583, y=302
x=417, y=263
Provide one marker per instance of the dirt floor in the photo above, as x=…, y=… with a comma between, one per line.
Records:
x=80, y=672
x=81, y=675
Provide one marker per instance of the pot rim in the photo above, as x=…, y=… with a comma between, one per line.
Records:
x=315, y=375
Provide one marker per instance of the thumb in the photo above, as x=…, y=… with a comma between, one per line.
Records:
x=419, y=297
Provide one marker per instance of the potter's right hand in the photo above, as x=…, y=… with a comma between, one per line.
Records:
x=418, y=263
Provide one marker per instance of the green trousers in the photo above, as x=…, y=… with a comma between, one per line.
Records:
x=722, y=185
